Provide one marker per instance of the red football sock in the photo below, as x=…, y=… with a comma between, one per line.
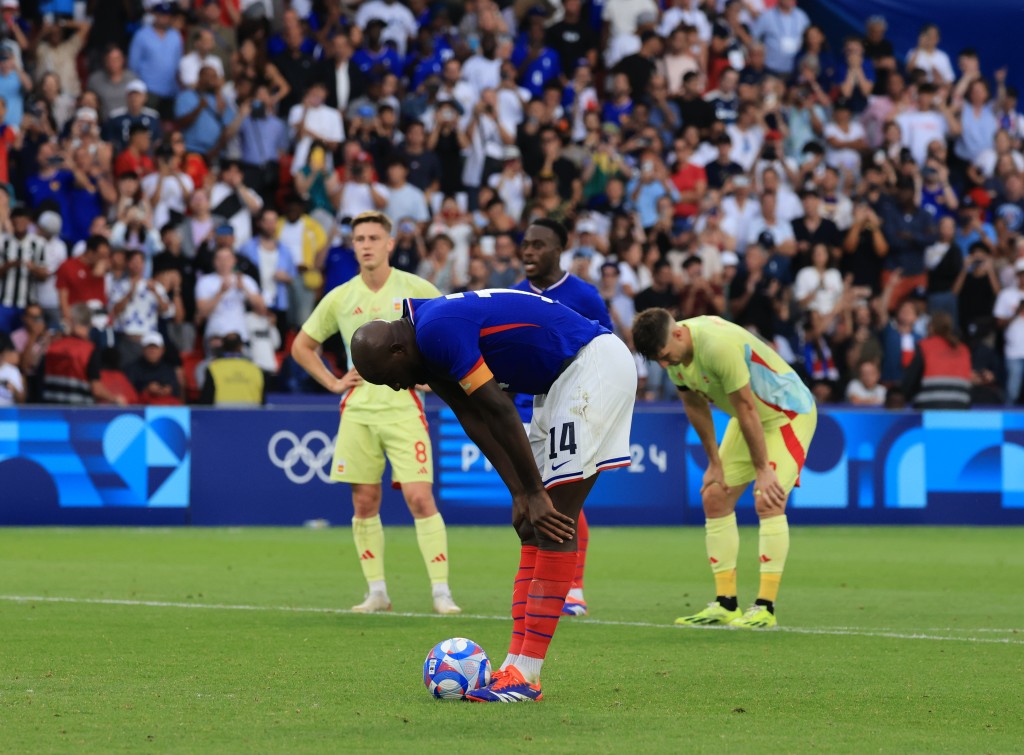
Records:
x=582, y=538
x=520, y=589
x=552, y=576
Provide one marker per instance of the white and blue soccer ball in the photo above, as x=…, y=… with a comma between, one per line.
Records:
x=456, y=667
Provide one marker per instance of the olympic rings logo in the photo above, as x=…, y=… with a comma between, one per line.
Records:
x=312, y=455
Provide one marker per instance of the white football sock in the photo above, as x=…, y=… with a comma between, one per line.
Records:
x=529, y=667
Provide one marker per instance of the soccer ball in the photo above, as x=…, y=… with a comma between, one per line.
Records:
x=455, y=667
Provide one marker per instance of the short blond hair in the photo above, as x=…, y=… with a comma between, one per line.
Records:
x=372, y=216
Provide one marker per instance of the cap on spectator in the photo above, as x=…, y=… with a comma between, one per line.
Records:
x=225, y=229
x=13, y=4
x=842, y=104
x=165, y=8
x=50, y=222
x=376, y=22
x=153, y=339
x=721, y=31
x=613, y=266
x=729, y=259
x=766, y=240
x=1018, y=266
x=136, y=85
x=967, y=203
x=511, y=152
x=87, y=114
x=740, y=181
x=586, y=226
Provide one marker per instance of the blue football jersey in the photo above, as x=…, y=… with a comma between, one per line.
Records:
x=579, y=296
x=522, y=340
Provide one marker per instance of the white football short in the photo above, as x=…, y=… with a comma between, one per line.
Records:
x=581, y=426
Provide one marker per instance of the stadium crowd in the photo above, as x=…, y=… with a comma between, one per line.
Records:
x=180, y=176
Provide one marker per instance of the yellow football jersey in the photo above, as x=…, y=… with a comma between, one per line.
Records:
x=344, y=310
x=727, y=357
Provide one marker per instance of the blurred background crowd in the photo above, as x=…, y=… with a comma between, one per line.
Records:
x=179, y=182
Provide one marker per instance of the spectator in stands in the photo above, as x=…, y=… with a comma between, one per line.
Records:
x=112, y=378
x=231, y=379
x=781, y=29
x=819, y=286
x=204, y=115
x=929, y=58
x=154, y=56
x=110, y=83
x=223, y=295
x=274, y=263
x=939, y=376
x=699, y=296
x=153, y=378
x=306, y=239
x=137, y=303
x=235, y=202
x=865, y=389
x=21, y=252
x=120, y=120
x=12, y=385
x=71, y=367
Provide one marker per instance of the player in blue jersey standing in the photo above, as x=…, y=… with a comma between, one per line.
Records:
x=474, y=349
x=541, y=253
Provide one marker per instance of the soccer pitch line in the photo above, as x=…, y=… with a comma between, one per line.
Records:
x=925, y=634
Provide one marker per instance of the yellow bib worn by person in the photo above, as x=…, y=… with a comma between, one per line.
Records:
x=378, y=423
x=232, y=379
x=773, y=418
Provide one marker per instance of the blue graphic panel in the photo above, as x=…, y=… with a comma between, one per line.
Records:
x=63, y=459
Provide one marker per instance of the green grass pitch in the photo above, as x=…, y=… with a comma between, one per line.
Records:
x=209, y=641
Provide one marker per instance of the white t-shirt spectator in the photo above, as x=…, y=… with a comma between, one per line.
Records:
x=324, y=121
x=241, y=220
x=407, y=201
x=696, y=18
x=919, y=129
x=513, y=191
x=987, y=158
x=54, y=252
x=864, y=396
x=746, y=145
x=356, y=198
x=937, y=60
x=229, y=314
x=1007, y=303
x=482, y=73
x=401, y=23
x=9, y=377
x=781, y=230
x=190, y=65
x=1014, y=339
x=622, y=14
x=845, y=158
x=827, y=288
x=142, y=314
x=175, y=192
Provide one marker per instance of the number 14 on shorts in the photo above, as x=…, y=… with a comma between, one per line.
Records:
x=562, y=442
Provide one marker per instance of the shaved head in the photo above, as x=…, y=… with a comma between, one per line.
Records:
x=385, y=353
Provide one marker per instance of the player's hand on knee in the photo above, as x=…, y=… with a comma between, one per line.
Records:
x=769, y=495
x=547, y=520
x=714, y=475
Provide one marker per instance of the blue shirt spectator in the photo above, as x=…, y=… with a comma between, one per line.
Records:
x=978, y=127
x=12, y=89
x=534, y=74
x=275, y=293
x=643, y=192
x=781, y=29
x=340, y=265
x=202, y=134
x=154, y=55
x=262, y=137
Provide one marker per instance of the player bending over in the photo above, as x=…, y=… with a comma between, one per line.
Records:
x=540, y=252
x=470, y=349
x=375, y=422
x=712, y=361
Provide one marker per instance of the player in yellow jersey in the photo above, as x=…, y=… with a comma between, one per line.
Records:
x=712, y=361
x=375, y=420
